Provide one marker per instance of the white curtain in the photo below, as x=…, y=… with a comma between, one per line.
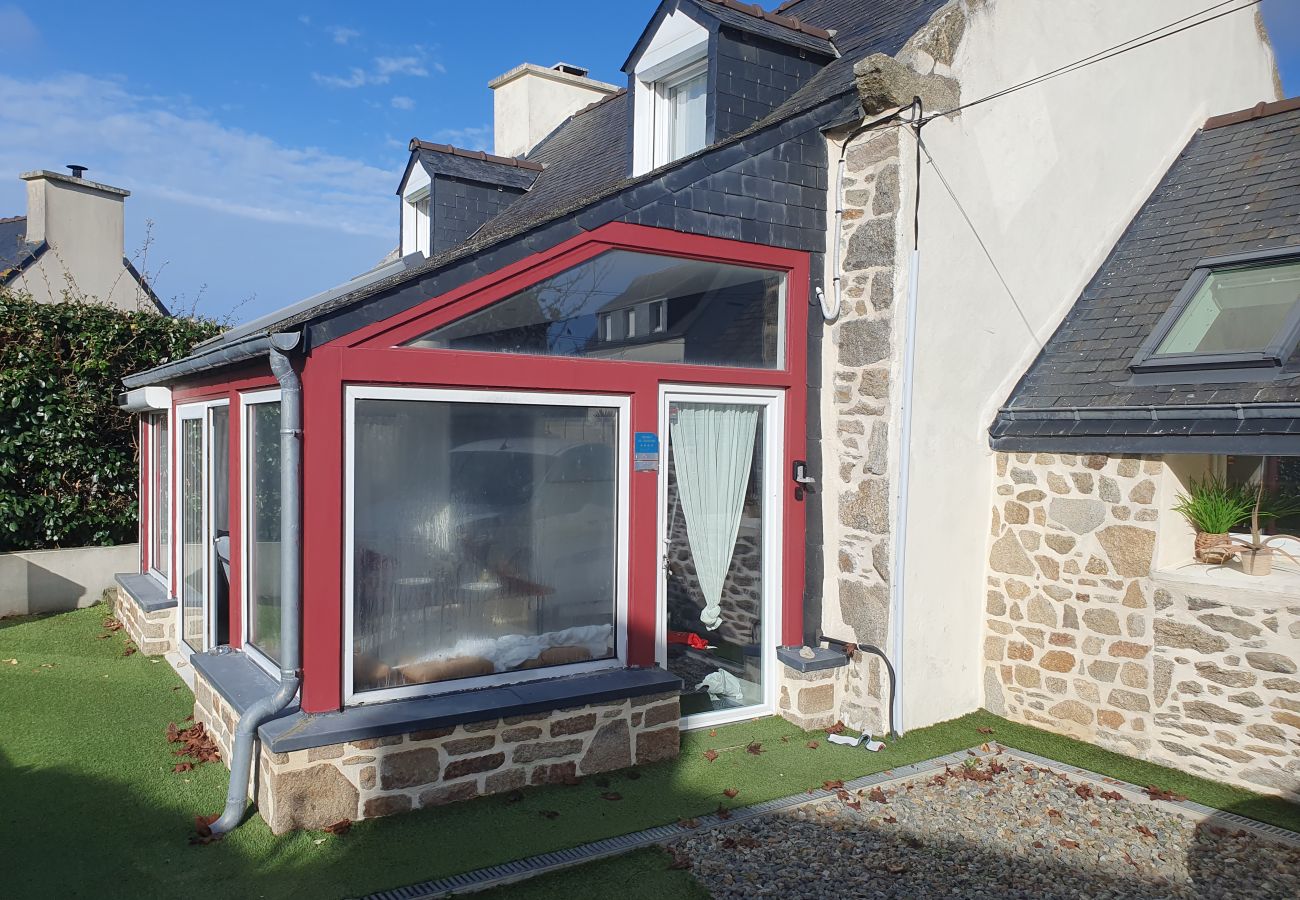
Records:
x=713, y=450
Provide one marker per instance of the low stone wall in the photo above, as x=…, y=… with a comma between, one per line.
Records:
x=153, y=632
x=1084, y=638
x=373, y=777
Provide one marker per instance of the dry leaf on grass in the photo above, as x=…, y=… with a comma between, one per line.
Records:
x=611, y=795
x=984, y=730
x=837, y=728
x=710, y=755
x=341, y=827
x=833, y=785
x=1157, y=793
x=549, y=814
x=730, y=793
x=813, y=745
x=755, y=748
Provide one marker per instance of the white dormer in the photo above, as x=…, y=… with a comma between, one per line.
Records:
x=416, y=194
x=670, y=82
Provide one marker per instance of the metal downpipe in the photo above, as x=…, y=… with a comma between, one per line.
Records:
x=245, y=739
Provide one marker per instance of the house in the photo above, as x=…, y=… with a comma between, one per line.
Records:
x=69, y=246
x=661, y=404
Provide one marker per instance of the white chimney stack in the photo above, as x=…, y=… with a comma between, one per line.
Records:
x=530, y=101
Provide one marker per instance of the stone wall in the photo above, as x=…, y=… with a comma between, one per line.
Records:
x=153, y=632
x=857, y=376
x=372, y=777
x=1084, y=637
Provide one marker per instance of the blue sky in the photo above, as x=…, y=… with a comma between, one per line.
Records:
x=264, y=141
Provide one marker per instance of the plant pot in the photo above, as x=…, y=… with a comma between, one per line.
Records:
x=1204, y=554
x=1257, y=562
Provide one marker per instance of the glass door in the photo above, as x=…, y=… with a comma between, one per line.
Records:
x=203, y=513
x=720, y=521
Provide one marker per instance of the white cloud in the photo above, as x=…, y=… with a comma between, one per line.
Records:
x=342, y=35
x=400, y=65
x=305, y=19
x=354, y=79
x=403, y=103
x=471, y=138
x=158, y=147
x=440, y=68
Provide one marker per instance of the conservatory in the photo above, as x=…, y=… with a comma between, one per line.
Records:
x=548, y=518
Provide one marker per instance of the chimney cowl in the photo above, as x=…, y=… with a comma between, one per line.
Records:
x=76, y=170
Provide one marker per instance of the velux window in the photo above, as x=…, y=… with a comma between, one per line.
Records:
x=1241, y=311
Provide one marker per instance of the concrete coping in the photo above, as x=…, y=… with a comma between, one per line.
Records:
x=241, y=682
x=823, y=658
x=148, y=593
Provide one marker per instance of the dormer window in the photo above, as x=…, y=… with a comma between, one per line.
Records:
x=420, y=236
x=670, y=81
x=1240, y=311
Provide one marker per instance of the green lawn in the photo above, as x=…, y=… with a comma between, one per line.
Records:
x=86, y=778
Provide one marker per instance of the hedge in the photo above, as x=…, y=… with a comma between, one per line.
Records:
x=68, y=455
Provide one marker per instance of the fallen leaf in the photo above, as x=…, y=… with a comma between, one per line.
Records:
x=837, y=728
x=340, y=828
x=755, y=748
x=833, y=785
x=1068, y=844
x=728, y=843
x=1038, y=844
x=189, y=718
x=1084, y=791
x=785, y=738
x=1111, y=795
x=1157, y=793
x=877, y=796
x=689, y=823
x=891, y=820
x=549, y=814
x=723, y=812
x=1143, y=830
x=202, y=823
x=182, y=767
x=813, y=745
x=713, y=732
x=611, y=795
x=710, y=755
x=984, y=730
x=730, y=793
x=1095, y=823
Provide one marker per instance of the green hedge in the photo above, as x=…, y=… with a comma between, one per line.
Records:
x=68, y=455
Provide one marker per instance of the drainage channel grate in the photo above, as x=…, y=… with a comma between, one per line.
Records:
x=493, y=876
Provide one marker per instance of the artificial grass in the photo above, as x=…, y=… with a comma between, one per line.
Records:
x=639, y=875
x=86, y=774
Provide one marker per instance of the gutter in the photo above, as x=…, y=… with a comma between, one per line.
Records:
x=251, y=347
x=245, y=738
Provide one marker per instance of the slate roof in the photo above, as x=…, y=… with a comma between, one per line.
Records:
x=15, y=251
x=474, y=165
x=1235, y=188
x=585, y=158
x=755, y=20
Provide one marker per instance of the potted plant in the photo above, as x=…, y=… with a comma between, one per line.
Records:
x=1214, y=508
x=1257, y=552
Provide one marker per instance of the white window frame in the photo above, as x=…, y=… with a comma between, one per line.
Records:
x=664, y=123
x=621, y=404
x=678, y=50
x=658, y=310
x=156, y=514
x=629, y=322
x=421, y=224
x=200, y=410
x=246, y=403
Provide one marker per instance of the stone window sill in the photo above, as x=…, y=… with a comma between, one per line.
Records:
x=147, y=592
x=242, y=683
x=1230, y=584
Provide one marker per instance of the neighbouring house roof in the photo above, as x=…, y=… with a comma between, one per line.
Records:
x=471, y=165
x=585, y=160
x=1234, y=189
x=16, y=252
x=755, y=20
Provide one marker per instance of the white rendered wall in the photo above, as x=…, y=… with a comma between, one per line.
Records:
x=1050, y=176
x=530, y=102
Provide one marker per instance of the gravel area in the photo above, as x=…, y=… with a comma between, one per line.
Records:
x=996, y=827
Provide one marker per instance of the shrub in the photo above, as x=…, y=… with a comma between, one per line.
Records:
x=68, y=455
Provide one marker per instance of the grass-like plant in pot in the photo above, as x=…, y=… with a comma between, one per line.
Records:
x=1213, y=507
x=1257, y=552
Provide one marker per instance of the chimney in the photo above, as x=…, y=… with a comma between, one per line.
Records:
x=530, y=101
x=82, y=219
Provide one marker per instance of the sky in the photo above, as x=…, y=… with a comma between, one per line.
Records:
x=263, y=143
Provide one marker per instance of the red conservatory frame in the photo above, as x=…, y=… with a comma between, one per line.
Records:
x=372, y=356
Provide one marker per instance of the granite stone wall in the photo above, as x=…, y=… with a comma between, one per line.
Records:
x=1084, y=636
x=153, y=632
x=371, y=777
x=858, y=372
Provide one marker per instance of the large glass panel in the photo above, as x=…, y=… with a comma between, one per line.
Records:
x=1236, y=311
x=263, y=606
x=715, y=554
x=219, y=510
x=712, y=314
x=686, y=115
x=485, y=539
x=192, y=544
x=160, y=521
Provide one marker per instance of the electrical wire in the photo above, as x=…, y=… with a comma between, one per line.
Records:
x=1133, y=43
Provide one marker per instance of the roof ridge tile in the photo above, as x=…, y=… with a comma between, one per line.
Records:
x=1261, y=110
x=756, y=11
x=481, y=155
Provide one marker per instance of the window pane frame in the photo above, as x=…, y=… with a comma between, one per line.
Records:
x=248, y=531
x=1280, y=346
x=620, y=404
x=159, y=495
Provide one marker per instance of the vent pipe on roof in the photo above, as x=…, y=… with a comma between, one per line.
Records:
x=77, y=171
x=245, y=738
